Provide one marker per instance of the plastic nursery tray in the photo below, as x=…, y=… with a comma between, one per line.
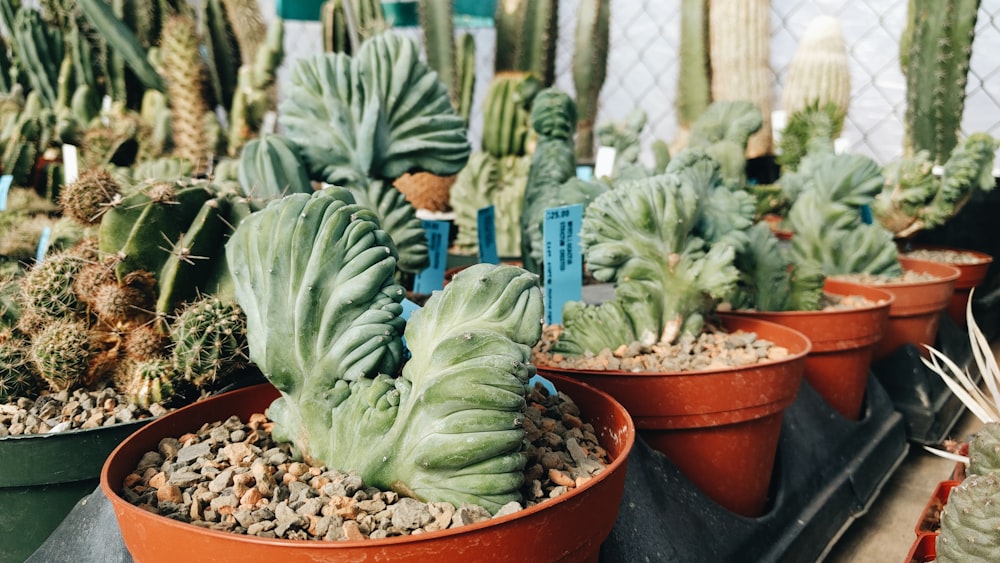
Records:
x=929, y=408
x=828, y=472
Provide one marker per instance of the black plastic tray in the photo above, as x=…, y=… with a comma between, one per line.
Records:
x=828, y=472
x=929, y=408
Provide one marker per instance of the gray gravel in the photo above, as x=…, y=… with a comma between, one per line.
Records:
x=65, y=410
x=232, y=476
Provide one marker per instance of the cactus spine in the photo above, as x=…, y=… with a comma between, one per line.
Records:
x=819, y=73
x=970, y=520
x=739, y=50
x=936, y=66
x=590, y=62
x=18, y=376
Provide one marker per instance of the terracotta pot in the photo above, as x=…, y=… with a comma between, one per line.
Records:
x=969, y=277
x=930, y=518
x=843, y=342
x=915, y=314
x=568, y=528
x=719, y=427
x=924, y=549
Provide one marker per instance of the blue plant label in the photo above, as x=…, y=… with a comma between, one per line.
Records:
x=486, y=230
x=5, y=182
x=585, y=173
x=408, y=308
x=43, y=245
x=866, y=214
x=563, y=269
x=432, y=277
x=604, y=162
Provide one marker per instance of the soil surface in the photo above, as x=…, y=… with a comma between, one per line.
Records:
x=948, y=256
x=232, y=476
x=909, y=276
x=64, y=410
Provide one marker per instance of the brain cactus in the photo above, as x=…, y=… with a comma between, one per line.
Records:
x=444, y=425
x=970, y=520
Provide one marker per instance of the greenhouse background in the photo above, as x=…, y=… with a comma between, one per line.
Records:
x=642, y=64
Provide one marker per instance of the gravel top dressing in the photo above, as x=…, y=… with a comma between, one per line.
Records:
x=232, y=476
x=65, y=410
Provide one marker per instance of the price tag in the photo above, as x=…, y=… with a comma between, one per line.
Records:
x=866, y=214
x=432, y=277
x=408, y=308
x=585, y=173
x=486, y=230
x=5, y=182
x=71, y=164
x=43, y=245
x=604, y=163
x=563, y=259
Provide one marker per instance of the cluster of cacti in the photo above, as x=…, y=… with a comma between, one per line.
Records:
x=590, y=62
x=935, y=51
x=819, y=73
x=209, y=341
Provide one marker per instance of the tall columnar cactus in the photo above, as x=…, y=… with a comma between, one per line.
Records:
x=455, y=64
x=694, y=75
x=222, y=53
x=248, y=25
x=506, y=110
x=122, y=40
x=740, y=53
x=40, y=49
x=938, y=47
x=182, y=68
x=590, y=66
x=819, y=73
x=970, y=520
x=253, y=99
x=368, y=20
x=527, y=35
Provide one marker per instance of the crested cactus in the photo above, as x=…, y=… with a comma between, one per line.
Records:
x=811, y=129
x=209, y=341
x=984, y=450
x=938, y=49
x=724, y=131
x=553, y=117
x=270, y=167
x=61, y=352
x=590, y=66
x=969, y=522
x=18, y=376
x=444, y=425
x=819, y=73
x=740, y=54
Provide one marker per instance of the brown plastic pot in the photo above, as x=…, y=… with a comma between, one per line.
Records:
x=843, y=342
x=915, y=313
x=720, y=427
x=568, y=528
x=969, y=277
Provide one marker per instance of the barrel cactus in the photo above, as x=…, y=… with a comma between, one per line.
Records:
x=18, y=375
x=970, y=520
x=209, y=341
x=444, y=425
x=62, y=352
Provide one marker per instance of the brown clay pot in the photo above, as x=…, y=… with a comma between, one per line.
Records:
x=843, y=342
x=719, y=427
x=915, y=314
x=969, y=277
x=568, y=528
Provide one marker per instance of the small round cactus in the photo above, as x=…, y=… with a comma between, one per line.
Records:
x=970, y=522
x=47, y=288
x=18, y=376
x=210, y=342
x=151, y=381
x=984, y=450
x=61, y=353
x=86, y=199
x=134, y=299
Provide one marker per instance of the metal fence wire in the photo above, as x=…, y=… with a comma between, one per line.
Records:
x=643, y=66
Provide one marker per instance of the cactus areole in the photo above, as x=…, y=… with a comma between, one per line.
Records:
x=314, y=275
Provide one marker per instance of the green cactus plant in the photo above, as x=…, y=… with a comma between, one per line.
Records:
x=590, y=62
x=740, y=54
x=527, y=32
x=969, y=522
x=149, y=381
x=18, y=376
x=253, y=97
x=122, y=40
x=441, y=426
x=86, y=199
x=694, y=75
x=182, y=69
x=984, y=450
x=270, y=167
x=935, y=58
x=47, y=288
x=819, y=73
x=340, y=34
x=61, y=352
x=724, y=131
x=488, y=180
x=454, y=63
x=209, y=341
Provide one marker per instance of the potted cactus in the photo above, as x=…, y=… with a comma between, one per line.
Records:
x=437, y=416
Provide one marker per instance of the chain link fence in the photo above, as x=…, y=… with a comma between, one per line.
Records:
x=642, y=64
